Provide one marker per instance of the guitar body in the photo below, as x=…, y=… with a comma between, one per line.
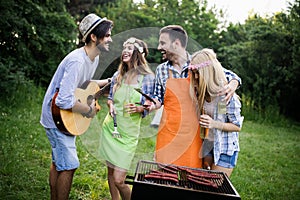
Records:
x=74, y=123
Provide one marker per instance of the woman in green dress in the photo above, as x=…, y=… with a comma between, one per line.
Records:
x=126, y=105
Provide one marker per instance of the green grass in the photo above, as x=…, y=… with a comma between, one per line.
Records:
x=268, y=164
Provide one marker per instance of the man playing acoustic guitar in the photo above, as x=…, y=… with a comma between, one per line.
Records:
x=75, y=69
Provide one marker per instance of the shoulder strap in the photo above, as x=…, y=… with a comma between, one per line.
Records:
x=140, y=80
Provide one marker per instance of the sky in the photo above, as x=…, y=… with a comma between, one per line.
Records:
x=238, y=10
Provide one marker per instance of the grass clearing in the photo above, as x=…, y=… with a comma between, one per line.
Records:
x=268, y=164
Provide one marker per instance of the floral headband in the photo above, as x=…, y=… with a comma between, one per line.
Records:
x=133, y=41
x=200, y=65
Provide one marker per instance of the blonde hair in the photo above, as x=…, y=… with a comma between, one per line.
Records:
x=207, y=77
x=138, y=62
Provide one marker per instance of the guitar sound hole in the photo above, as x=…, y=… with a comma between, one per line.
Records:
x=89, y=99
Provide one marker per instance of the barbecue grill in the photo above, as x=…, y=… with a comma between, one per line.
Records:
x=156, y=181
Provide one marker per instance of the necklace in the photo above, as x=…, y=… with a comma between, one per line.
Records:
x=85, y=50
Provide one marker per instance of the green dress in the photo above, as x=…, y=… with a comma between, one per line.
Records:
x=120, y=151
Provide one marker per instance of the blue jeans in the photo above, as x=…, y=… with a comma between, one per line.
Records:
x=226, y=160
x=64, y=154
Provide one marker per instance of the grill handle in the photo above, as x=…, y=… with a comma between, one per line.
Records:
x=129, y=180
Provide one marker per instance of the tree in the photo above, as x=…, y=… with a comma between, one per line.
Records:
x=261, y=52
x=33, y=38
x=291, y=95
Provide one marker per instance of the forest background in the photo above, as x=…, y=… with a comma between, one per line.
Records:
x=264, y=51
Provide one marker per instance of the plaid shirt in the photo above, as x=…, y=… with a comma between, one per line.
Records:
x=162, y=75
x=227, y=142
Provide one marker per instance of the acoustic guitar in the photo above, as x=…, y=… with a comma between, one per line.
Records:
x=73, y=123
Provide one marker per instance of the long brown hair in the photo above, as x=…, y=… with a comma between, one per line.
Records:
x=138, y=62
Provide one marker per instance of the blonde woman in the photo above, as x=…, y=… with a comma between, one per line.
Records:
x=222, y=120
x=126, y=104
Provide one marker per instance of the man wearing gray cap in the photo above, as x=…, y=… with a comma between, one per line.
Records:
x=76, y=68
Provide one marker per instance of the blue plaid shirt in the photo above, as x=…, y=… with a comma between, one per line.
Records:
x=162, y=75
x=227, y=142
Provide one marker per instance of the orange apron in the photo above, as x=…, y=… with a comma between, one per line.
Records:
x=178, y=140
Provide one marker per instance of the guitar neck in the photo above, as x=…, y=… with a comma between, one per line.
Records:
x=100, y=92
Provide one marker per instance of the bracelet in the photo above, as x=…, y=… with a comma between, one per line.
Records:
x=89, y=112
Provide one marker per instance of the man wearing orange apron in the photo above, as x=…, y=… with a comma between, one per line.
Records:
x=178, y=140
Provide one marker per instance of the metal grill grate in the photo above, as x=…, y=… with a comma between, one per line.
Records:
x=223, y=187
